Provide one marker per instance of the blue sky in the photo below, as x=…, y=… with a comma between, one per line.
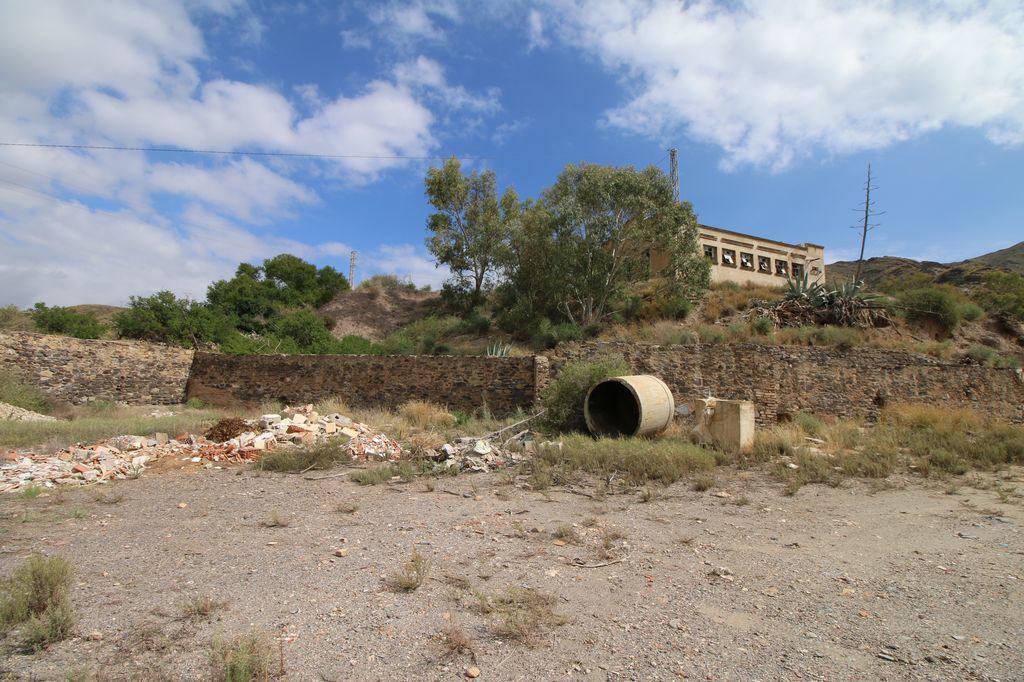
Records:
x=776, y=110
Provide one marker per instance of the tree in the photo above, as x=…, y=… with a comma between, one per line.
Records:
x=602, y=225
x=165, y=318
x=470, y=226
x=866, y=226
x=1002, y=293
x=58, y=320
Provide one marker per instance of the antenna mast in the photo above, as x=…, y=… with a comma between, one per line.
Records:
x=352, y=269
x=673, y=171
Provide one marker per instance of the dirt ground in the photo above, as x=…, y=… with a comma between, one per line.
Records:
x=905, y=582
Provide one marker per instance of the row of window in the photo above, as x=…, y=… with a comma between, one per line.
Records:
x=746, y=262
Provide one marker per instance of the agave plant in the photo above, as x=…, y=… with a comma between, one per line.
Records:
x=499, y=350
x=805, y=290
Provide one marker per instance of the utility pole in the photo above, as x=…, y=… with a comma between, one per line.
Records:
x=866, y=226
x=673, y=171
x=352, y=269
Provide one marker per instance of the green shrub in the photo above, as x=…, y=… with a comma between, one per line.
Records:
x=840, y=337
x=351, y=344
x=10, y=317
x=762, y=326
x=809, y=424
x=549, y=335
x=675, y=307
x=708, y=334
x=58, y=320
x=36, y=596
x=971, y=311
x=934, y=305
x=475, y=323
x=420, y=337
x=563, y=397
x=165, y=318
x=15, y=392
x=984, y=355
x=1002, y=293
x=248, y=658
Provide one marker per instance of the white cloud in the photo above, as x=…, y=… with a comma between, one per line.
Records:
x=406, y=261
x=243, y=188
x=128, y=73
x=535, y=30
x=427, y=76
x=405, y=23
x=772, y=82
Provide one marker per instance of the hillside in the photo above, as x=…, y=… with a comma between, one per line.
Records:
x=962, y=272
x=377, y=307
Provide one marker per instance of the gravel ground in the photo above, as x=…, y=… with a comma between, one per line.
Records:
x=906, y=582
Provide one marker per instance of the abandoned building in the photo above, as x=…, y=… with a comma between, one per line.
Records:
x=743, y=258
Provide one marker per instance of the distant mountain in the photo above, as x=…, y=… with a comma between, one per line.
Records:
x=963, y=272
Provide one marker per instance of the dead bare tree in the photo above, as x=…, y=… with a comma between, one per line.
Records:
x=866, y=226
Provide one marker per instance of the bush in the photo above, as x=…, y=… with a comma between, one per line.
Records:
x=475, y=323
x=36, y=595
x=10, y=317
x=1002, y=293
x=58, y=320
x=549, y=335
x=762, y=326
x=675, y=308
x=984, y=355
x=165, y=318
x=14, y=392
x=840, y=337
x=708, y=334
x=931, y=305
x=426, y=415
x=351, y=344
x=563, y=397
x=640, y=460
x=422, y=337
x=971, y=311
x=245, y=659
x=306, y=329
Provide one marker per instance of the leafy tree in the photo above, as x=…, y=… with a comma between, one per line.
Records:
x=58, y=320
x=306, y=329
x=586, y=248
x=470, y=225
x=165, y=318
x=1002, y=293
x=256, y=294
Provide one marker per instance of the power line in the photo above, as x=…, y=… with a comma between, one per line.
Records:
x=183, y=150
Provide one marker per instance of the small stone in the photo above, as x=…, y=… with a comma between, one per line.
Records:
x=95, y=636
x=675, y=624
x=721, y=493
x=472, y=672
x=182, y=505
x=341, y=552
x=559, y=543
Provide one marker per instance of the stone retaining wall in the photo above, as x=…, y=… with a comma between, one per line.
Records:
x=80, y=370
x=784, y=380
x=460, y=382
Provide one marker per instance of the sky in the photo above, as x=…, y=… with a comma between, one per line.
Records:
x=776, y=109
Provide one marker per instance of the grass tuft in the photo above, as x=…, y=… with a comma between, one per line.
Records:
x=426, y=415
x=295, y=460
x=520, y=614
x=640, y=460
x=411, y=575
x=35, y=597
x=200, y=607
x=246, y=658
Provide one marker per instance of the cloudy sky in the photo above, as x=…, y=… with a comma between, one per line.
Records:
x=776, y=108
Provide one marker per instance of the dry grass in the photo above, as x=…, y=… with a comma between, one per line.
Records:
x=60, y=434
x=346, y=507
x=35, y=600
x=454, y=641
x=520, y=614
x=411, y=575
x=566, y=533
x=247, y=658
x=200, y=607
x=725, y=299
x=702, y=482
x=404, y=471
x=424, y=415
x=297, y=460
x=639, y=460
x=275, y=520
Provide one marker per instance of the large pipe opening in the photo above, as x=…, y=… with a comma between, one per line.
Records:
x=612, y=409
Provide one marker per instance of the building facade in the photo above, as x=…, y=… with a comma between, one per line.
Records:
x=746, y=259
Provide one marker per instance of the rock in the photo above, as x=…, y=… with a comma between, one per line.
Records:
x=161, y=438
x=95, y=636
x=472, y=672
x=341, y=552
x=182, y=505
x=675, y=624
x=721, y=493
x=482, y=447
x=298, y=418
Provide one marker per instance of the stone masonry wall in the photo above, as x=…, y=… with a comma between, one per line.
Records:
x=79, y=370
x=784, y=380
x=460, y=382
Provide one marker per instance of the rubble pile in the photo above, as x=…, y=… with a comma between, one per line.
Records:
x=126, y=456
x=18, y=414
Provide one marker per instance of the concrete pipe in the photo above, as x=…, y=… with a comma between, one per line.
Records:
x=639, y=405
